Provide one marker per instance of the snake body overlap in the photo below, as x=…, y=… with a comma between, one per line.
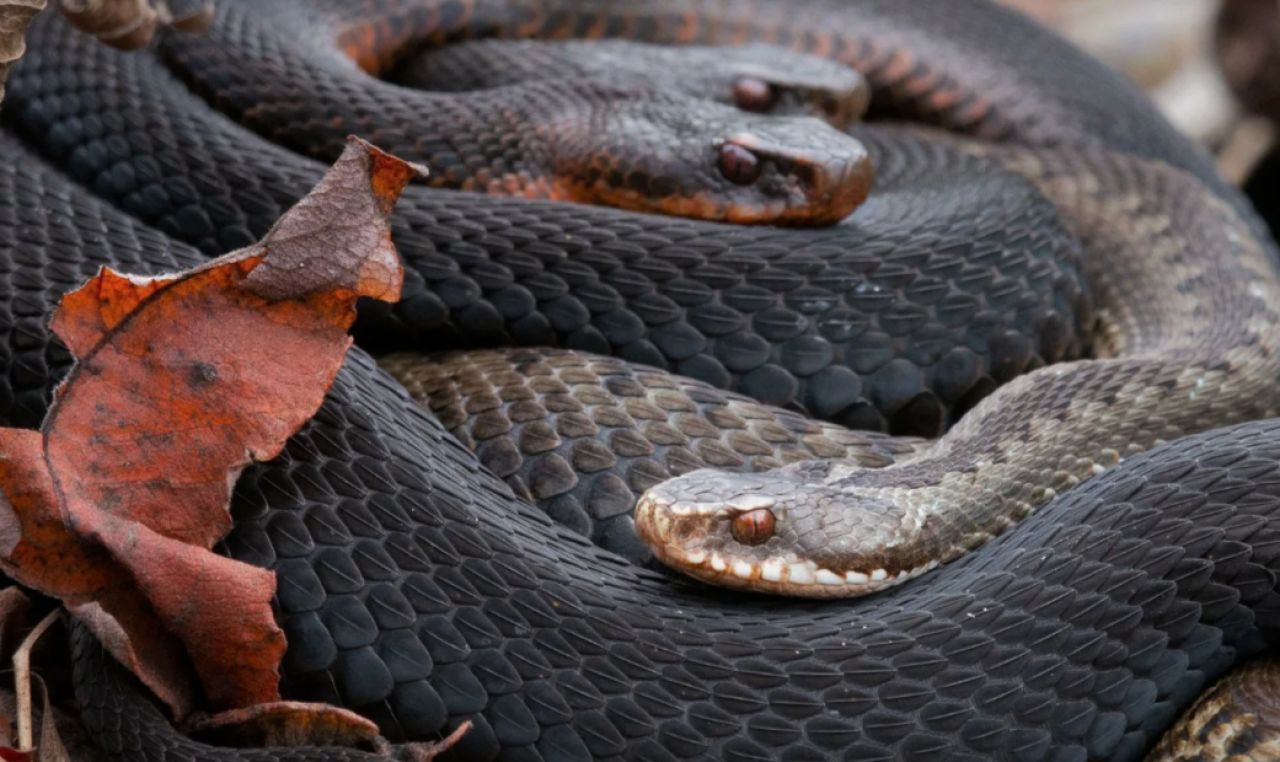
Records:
x=416, y=588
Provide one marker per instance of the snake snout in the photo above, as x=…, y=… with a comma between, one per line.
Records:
x=805, y=172
x=706, y=160
x=785, y=531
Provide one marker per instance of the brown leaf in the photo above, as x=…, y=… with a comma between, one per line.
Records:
x=50, y=747
x=181, y=382
x=424, y=752
x=61, y=738
x=286, y=723
x=15, y=15
x=163, y=666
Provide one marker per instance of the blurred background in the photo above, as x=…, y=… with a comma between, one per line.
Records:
x=1213, y=67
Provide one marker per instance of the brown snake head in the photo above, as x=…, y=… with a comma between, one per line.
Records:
x=783, y=532
x=762, y=79
x=705, y=160
x=766, y=79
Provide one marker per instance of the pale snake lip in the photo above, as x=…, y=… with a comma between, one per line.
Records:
x=586, y=617
x=657, y=510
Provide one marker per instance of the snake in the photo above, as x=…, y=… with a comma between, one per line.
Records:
x=420, y=588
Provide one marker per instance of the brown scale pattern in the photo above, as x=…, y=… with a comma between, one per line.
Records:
x=583, y=436
x=416, y=588
x=1236, y=720
x=956, y=277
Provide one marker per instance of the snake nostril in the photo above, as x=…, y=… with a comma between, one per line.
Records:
x=753, y=527
x=752, y=94
x=738, y=165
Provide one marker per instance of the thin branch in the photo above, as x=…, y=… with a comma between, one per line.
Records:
x=22, y=678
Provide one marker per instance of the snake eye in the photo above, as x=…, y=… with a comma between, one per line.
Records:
x=751, y=94
x=753, y=527
x=738, y=165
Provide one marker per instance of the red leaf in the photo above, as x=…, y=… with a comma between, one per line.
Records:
x=181, y=382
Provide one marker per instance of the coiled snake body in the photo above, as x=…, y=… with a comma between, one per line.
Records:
x=416, y=588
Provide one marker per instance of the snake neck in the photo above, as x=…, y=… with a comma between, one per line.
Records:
x=628, y=144
x=922, y=67
x=1194, y=340
x=1187, y=296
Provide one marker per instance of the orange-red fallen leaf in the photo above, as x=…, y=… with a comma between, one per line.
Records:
x=286, y=723
x=180, y=382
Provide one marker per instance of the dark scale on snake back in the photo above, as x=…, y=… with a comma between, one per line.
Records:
x=414, y=587
x=584, y=436
x=794, y=311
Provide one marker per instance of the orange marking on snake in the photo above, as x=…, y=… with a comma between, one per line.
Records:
x=688, y=28
x=899, y=65
x=943, y=99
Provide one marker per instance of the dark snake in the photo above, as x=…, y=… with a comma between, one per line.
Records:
x=416, y=588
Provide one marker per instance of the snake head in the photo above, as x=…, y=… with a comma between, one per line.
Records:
x=770, y=80
x=705, y=160
x=760, y=78
x=786, y=531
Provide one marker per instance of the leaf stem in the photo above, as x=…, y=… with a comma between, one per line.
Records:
x=22, y=678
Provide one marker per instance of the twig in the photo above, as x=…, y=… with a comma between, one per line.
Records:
x=22, y=678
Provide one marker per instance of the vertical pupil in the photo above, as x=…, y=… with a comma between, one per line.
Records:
x=753, y=527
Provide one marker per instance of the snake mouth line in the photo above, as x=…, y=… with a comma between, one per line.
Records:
x=658, y=521
x=804, y=579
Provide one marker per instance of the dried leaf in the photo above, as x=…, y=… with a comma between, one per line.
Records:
x=164, y=668
x=15, y=16
x=50, y=747
x=182, y=381
x=62, y=738
x=424, y=752
x=286, y=723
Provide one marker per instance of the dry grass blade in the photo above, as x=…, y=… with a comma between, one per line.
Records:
x=22, y=679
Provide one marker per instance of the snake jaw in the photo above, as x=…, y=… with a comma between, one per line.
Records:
x=820, y=546
x=818, y=183
x=709, y=161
